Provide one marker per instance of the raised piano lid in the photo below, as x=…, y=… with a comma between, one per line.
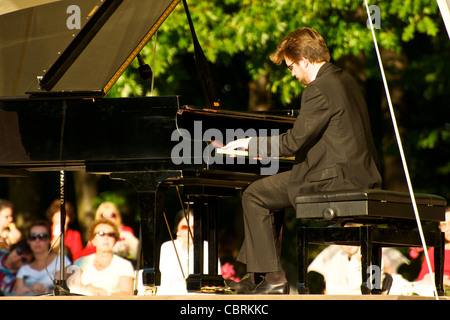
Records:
x=40, y=53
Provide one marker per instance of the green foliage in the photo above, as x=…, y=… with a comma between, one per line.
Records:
x=237, y=37
x=253, y=28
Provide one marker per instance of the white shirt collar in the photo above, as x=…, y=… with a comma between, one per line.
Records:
x=315, y=75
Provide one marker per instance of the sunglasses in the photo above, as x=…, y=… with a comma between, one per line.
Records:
x=23, y=259
x=103, y=234
x=40, y=236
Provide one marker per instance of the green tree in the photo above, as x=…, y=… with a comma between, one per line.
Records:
x=238, y=35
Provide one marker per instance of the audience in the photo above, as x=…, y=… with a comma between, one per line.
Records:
x=29, y=266
x=102, y=273
x=10, y=262
x=38, y=276
x=9, y=234
x=127, y=244
x=72, y=238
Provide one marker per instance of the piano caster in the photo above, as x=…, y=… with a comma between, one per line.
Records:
x=150, y=291
x=365, y=289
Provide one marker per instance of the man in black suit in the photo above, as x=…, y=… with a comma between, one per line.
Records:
x=333, y=147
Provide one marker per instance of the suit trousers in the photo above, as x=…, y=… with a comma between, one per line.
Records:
x=260, y=250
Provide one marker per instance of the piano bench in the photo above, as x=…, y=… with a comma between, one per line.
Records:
x=384, y=219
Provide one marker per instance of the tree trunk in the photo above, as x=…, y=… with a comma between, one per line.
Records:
x=24, y=193
x=260, y=99
x=394, y=65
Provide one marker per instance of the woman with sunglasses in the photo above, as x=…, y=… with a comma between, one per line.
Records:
x=38, y=277
x=102, y=273
x=127, y=245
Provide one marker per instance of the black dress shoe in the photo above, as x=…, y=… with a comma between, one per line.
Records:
x=271, y=288
x=245, y=286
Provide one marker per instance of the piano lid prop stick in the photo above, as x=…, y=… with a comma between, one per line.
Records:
x=138, y=262
x=145, y=72
x=399, y=143
x=202, y=66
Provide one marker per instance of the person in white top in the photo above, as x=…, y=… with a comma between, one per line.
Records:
x=175, y=270
x=177, y=258
x=341, y=269
x=102, y=273
x=38, y=277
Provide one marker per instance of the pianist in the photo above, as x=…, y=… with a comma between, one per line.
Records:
x=333, y=147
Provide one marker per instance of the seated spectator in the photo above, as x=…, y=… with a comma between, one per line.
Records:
x=10, y=261
x=424, y=272
x=102, y=273
x=127, y=244
x=444, y=227
x=38, y=276
x=180, y=251
x=340, y=267
x=72, y=239
x=9, y=234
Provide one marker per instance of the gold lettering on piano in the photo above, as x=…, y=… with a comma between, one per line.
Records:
x=92, y=11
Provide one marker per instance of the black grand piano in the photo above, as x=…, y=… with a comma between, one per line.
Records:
x=54, y=75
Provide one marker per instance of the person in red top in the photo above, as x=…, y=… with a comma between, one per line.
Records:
x=72, y=239
x=445, y=227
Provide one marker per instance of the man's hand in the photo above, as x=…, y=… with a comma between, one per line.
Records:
x=238, y=144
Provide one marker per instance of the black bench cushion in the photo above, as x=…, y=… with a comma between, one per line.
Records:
x=369, y=203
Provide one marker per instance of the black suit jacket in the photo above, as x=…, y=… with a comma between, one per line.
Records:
x=331, y=138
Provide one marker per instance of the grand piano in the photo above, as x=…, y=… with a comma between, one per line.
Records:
x=58, y=59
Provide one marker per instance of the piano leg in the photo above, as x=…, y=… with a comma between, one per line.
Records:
x=212, y=236
x=302, y=260
x=375, y=275
x=205, y=228
x=151, y=194
x=366, y=258
x=439, y=257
